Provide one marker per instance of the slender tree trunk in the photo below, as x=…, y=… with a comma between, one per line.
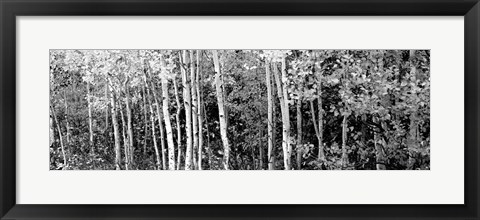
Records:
x=287, y=111
x=194, y=108
x=113, y=102
x=129, y=127
x=90, y=126
x=285, y=116
x=51, y=130
x=152, y=122
x=166, y=113
x=67, y=125
x=207, y=147
x=274, y=123
x=299, y=134
x=221, y=110
x=107, y=110
x=145, y=114
x=321, y=154
x=160, y=124
x=177, y=119
x=65, y=163
x=260, y=149
x=199, y=109
x=125, y=139
x=188, y=112
x=160, y=120
x=270, y=116
x=106, y=131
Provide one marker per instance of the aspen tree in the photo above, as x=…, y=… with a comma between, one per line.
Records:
x=194, y=107
x=188, y=110
x=199, y=109
x=166, y=113
x=270, y=115
x=221, y=110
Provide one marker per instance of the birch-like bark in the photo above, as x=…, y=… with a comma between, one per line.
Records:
x=166, y=113
x=152, y=122
x=160, y=123
x=67, y=124
x=107, y=110
x=194, y=108
x=221, y=110
x=90, y=124
x=177, y=119
x=60, y=136
x=188, y=110
x=199, y=109
x=129, y=126
x=270, y=107
x=285, y=116
x=145, y=122
x=116, y=132
x=299, y=134
x=125, y=139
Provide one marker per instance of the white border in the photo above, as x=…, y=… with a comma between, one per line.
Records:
x=442, y=184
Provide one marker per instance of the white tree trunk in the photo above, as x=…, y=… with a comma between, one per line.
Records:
x=270, y=116
x=281, y=90
x=221, y=111
x=194, y=108
x=199, y=110
x=65, y=162
x=188, y=111
x=166, y=113
x=116, y=132
x=299, y=134
x=177, y=119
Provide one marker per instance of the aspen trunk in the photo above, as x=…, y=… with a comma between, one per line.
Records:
x=152, y=122
x=299, y=134
x=107, y=110
x=281, y=90
x=321, y=149
x=207, y=147
x=129, y=127
x=116, y=132
x=177, y=119
x=160, y=123
x=199, y=109
x=125, y=139
x=65, y=163
x=90, y=126
x=67, y=125
x=188, y=111
x=166, y=113
x=194, y=107
x=260, y=148
x=145, y=114
x=270, y=116
x=221, y=110
x=51, y=130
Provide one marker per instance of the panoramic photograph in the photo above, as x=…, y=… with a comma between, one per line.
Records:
x=239, y=109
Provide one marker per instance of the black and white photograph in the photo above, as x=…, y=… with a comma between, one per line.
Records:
x=238, y=109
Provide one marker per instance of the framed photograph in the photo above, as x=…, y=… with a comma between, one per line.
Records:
x=236, y=109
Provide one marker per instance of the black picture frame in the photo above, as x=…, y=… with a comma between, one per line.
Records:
x=470, y=9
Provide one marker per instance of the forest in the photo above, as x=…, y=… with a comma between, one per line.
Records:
x=239, y=110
